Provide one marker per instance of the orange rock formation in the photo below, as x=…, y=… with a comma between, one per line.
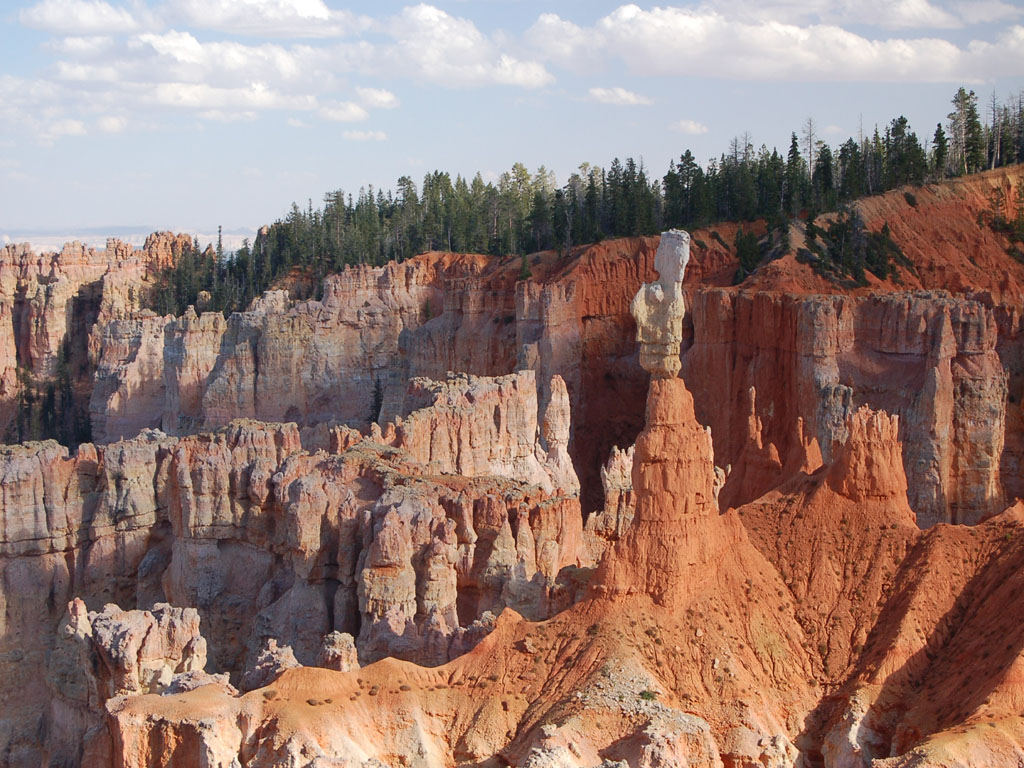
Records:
x=799, y=555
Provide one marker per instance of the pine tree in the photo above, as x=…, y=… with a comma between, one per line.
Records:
x=852, y=177
x=958, y=131
x=810, y=141
x=795, y=179
x=974, y=139
x=524, y=211
x=968, y=144
x=540, y=221
x=747, y=252
x=940, y=151
x=822, y=180
x=561, y=222
x=905, y=161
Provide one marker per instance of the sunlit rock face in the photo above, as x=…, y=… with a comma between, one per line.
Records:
x=393, y=565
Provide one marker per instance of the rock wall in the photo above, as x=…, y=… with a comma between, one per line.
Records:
x=817, y=625
x=945, y=363
x=763, y=593
x=266, y=540
x=350, y=356
x=50, y=304
x=932, y=359
x=473, y=426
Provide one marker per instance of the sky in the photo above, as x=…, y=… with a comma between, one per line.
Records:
x=124, y=116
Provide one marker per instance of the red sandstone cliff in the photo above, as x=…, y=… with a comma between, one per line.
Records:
x=811, y=357
x=812, y=620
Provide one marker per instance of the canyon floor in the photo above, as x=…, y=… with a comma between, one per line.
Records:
x=620, y=513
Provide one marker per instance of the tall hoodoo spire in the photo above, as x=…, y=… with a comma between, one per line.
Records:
x=673, y=467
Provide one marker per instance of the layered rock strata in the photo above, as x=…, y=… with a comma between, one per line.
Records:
x=949, y=365
x=267, y=543
x=349, y=357
x=810, y=626
x=50, y=302
x=593, y=683
x=932, y=359
x=813, y=622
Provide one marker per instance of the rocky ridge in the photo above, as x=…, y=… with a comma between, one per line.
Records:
x=766, y=594
x=50, y=303
x=811, y=351
x=270, y=544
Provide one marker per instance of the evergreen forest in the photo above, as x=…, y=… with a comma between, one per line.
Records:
x=525, y=212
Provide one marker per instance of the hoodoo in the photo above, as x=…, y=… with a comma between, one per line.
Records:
x=760, y=588
x=721, y=467
x=673, y=461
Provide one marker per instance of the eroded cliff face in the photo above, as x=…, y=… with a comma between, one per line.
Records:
x=49, y=305
x=653, y=666
x=930, y=358
x=410, y=549
x=765, y=576
x=706, y=639
x=945, y=362
x=815, y=625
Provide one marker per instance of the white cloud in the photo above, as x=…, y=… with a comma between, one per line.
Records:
x=669, y=41
x=207, y=97
x=377, y=97
x=526, y=74
x=988, y=11
x=343, y=112
x=222, y=116
x=902, y=14
x=365, y=135
x=618, y=96
x=110, y=56
x=111, y=124
x=564, y=43
x=433, y=45
x=294, y=122
x=184, y=57
x=28, y=102
x=78, y=17
x=271, y=18
x=89, y=47
x=691, y=127
x=63, y=127
x=87, y=73
x=886, y=14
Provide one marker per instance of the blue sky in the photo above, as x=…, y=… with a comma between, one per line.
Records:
x=187, y=114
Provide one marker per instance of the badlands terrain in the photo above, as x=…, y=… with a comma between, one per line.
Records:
x=444, y=516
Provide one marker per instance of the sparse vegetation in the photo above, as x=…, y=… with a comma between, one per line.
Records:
x=524, y=269
x=1011, y=226
x=844, y=249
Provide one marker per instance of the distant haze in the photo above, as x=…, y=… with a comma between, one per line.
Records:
x=97, y=237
